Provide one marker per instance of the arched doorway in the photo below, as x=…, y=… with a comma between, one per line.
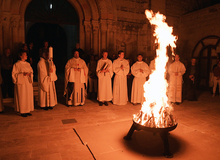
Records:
x=55, y=35
x=206, y=52
x=55, y=21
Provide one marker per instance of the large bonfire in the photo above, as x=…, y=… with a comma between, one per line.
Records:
x=156, y=110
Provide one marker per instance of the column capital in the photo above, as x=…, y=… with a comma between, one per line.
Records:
x=15, y=20
x=5, y=18
x=88, y=26
x=103, y=24
x=95, y=25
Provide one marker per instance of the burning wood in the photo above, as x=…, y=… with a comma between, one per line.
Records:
x=156, y=110
x=166, y=120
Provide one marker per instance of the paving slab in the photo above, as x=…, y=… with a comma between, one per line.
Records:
x=99, y=132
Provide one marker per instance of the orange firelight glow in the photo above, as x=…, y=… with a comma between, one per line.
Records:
x=155, y=111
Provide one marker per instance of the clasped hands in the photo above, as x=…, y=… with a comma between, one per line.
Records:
x=105, y=70
x=26, y=74
x=77, y=69
x=191, y=77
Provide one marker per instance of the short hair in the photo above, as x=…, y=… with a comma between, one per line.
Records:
x=177, y=55
x=119, y=52
x=104, y=51
x=24, y=44
x=75, y=52
x=20, y=54
x=6, y=49
x=139, y=55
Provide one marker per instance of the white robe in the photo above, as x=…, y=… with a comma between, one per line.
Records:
x=104, y=80
x=152, y=65
x=47, y=96
x=23, y=89
x=79, y=78
x=120, y=94
x=175, y=82
x=137, y=93
x=1, y=99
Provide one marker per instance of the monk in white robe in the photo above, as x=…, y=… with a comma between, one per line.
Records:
x=152, y=65
x=140, y=70
x=104, y=73
x=22, y=76
x=76, y=73
x=47, y=97
x=121, y=69
x=1, y=99
x=176, y=71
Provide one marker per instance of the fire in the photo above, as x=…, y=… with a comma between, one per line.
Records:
x=156, y=111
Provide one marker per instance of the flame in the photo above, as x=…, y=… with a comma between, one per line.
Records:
x=155, y=111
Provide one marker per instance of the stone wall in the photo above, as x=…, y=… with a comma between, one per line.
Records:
x=197, y=25
x=119, y=25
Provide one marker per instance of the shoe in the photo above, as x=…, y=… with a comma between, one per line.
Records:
x=106, y=103
x=100, y=103
x=24, y=115
x=29, y=114
x=50, y=107
x=44, y=108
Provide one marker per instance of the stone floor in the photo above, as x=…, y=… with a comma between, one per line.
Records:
x=96, y=132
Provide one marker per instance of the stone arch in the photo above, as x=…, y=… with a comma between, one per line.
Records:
x=205, y=51
x=94, y=10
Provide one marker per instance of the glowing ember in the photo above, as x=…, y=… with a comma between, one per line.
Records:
x=155, y=111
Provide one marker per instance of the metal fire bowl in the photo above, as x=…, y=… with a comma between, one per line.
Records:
x=154, y=130
x=162, y=131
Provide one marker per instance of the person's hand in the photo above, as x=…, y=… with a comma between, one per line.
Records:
x=176, y=73
x=141, y=70
x=25, y=73
x=107, y=70
x=190, y=76
x=51, y=70
x=122, y=67
x=29, y=74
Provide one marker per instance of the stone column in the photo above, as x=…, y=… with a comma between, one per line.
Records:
x=95, y=27
x=21, y=30
x=1, y=35
x=110, y=37
x=6, y=30
x=88, y=30
x=15, y=20
x=103, y=34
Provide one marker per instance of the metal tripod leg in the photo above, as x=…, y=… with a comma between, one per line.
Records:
x=164, y=136
x=130, y=132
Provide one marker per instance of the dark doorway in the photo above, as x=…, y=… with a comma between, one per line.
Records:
x=55, y=35
x=206, y=53
x=55, y=21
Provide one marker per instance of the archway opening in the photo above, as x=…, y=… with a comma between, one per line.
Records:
x=55, y=35
x=206, y=52
x=55, y=21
